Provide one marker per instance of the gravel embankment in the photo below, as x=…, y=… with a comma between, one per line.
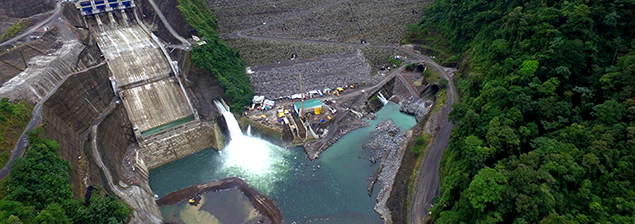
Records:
x=377, y=21
x=276, y=80
x=387, y=145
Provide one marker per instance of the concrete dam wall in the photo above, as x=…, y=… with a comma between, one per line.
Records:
x=165, y=124
x=167, y=147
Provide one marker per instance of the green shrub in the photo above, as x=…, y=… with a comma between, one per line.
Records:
x=395, y=62
x=411, y=66
x=443, y=82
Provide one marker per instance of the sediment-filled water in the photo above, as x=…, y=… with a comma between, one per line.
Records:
x=331, y=189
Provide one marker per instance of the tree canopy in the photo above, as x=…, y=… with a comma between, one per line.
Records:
x=38, y=191
x=546, y=125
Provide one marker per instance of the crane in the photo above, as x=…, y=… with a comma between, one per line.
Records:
x=301, y=92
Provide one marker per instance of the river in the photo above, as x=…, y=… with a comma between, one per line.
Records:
x=331, y=189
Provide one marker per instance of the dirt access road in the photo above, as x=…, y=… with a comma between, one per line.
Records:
x=427, y=181
x=56, y=14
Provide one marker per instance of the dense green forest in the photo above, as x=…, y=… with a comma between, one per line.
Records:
x=216, y=56
x=546, y=125
x=13, y=119
x=38, y=191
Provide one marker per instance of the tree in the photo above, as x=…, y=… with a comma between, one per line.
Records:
x=487, y=187
x=548, y=102
x=610, y=112
x=52, y=214
x=529, y=68
x=443, y=82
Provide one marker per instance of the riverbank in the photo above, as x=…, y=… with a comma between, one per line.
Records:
x=388, y=144
x=258, y=200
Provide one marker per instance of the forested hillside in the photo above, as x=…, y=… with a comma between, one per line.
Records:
x=216, y=56
x=38, y=191
x=546, y=126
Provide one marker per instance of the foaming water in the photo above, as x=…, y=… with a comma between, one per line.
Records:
x=250, y=157
x=252, y=154
x=381, y=97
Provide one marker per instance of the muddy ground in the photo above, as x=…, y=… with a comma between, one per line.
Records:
x=258, y=200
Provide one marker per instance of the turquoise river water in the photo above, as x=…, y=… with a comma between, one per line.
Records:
x=331, y=189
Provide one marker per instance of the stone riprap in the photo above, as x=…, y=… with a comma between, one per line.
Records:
x=417, y=107
x=281, y=79
x=387, y=144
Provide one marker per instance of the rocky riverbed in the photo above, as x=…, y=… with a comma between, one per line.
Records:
x=387, y=145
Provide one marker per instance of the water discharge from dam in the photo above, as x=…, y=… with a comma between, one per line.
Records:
x=331, y=189
x=381, y=97
x=254, y=155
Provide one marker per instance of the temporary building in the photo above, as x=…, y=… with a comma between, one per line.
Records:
x=309, y=105
x=258, y=99
x=296, y=96
x=269, y=103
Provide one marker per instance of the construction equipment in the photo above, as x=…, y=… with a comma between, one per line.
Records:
x=302, y=92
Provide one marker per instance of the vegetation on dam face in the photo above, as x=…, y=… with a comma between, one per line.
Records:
x=13, y=119
x=38, y=191
x=546, y=127
x=216, y=56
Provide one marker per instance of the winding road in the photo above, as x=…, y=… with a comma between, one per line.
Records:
x=56, y=14
x=184, y=42
x=427, y=180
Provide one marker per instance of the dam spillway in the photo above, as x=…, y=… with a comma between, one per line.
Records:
x=143, y=77
x=148, y=83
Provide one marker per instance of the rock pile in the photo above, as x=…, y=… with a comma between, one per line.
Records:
x=385, y=137
x=275, y=81
x=417, y=107
x=388, y=143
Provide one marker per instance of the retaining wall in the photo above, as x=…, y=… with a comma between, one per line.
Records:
x=70, y=111
x=177, y=142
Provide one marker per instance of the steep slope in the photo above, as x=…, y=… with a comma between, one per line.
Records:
x=546, y=128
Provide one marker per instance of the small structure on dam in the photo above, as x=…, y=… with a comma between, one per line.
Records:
x=90, y=7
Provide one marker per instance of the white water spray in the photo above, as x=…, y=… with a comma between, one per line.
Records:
x=382, y=98
x=252, y=155
x=248, y=130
